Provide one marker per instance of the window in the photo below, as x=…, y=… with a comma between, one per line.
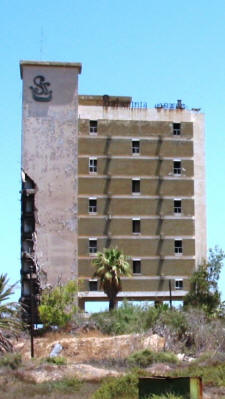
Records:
x=28, y=246
x=28, y=226
x=177, y=167
x=93, y=127
x=92, y=165
x=136, y=186
x=29, y=204
x=135, y=147
x=92, y=206
x=178, y=284
x=177, y=206
x=136, y=266
x=136, y=225
x=93, y=285
x=176, y=129
x=92, y=245
x=178, y=247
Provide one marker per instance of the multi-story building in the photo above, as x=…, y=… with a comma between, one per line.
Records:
x=102, y=171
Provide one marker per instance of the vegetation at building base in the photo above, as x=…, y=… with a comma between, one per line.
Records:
x=57, y=306
x=9, y=314
x=122, y=387
x=204, y=291
x=66, y=388
x=196, y=331
x=146, y=358
x=11, y=360
x=110, y=266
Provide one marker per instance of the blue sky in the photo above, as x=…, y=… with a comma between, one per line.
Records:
x=153, y=51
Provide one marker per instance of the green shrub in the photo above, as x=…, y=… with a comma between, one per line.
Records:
x=212, y=375
x=152, y=314
x=127, y=319
x=122, y=387
x=58, y=360
x=165, y=357
x=165, y=396
x=174, y=319
x=146, y=357
x=66, y=385
x=57, y=305
x=12, y=360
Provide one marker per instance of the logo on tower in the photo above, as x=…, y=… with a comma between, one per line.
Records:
x=41, y=92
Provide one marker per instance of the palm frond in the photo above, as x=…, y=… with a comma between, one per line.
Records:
x=110, y=265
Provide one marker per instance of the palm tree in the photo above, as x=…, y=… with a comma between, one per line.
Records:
x=110, y=265
x=9, y=313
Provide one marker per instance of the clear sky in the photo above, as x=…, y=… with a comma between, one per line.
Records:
x=152, y=51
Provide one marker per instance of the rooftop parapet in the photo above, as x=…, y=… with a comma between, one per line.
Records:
x=77, y=65
x=105, y=101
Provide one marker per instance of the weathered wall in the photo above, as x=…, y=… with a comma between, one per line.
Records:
x=159, y=187
x=49, y=157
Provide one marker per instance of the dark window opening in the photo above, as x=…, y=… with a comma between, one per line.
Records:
x=92, y=165
x=28, y=246
x=136, y=226
x=92, y=246
x=28, y=226
x=178, y=247
x=135, y=147
x=93, y=285
x=92, y=207
x=93, y=127
x=177, y=206
x=177, y=167
x=178, y=284
x=29, y=204
x=176, y=129
x=135, y=186
x=136, y=266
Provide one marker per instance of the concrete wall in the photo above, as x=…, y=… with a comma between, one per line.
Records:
x=112, y=187
x=49, y=158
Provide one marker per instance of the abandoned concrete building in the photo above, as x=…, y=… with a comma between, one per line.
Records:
x=103, y=171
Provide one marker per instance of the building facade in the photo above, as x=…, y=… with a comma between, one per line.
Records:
x=102, y=171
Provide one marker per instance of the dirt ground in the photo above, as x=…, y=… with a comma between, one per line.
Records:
x=87, y=356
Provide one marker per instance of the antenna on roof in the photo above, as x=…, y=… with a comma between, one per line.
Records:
x=41, y=43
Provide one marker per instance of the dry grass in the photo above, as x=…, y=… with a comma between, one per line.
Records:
x=11, y=387
x=91, y=345
x=92, y=334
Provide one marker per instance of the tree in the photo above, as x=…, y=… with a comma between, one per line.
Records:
x=9, y=313
x=110, y=265
x=204, y=283
x=57, y=306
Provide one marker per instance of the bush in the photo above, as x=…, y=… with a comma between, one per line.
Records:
x=65, y=385
x=12, y=360
x=58, y=360
x=122, y=387
x=204, y=334
x=146, y=357
x=127, y=319
x=152, y=314
x=175, y=319
x=167, y=396
x=57, y=305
